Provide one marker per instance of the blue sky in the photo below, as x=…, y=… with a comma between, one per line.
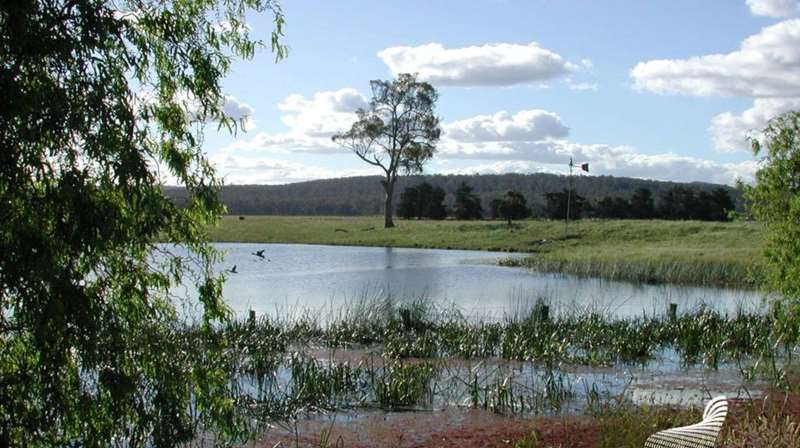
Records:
x=656, y=89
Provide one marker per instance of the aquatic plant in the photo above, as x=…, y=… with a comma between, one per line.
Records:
x=404, y=385
x=394, y=354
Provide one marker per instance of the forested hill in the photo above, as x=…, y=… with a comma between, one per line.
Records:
x=364, y=195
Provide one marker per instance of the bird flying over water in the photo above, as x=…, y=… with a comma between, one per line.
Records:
x=233, y=270
x=259, y=253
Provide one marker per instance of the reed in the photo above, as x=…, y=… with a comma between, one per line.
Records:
x=711, y=273
x=382, y=352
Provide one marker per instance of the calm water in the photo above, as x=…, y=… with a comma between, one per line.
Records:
x=292, y=277
x=314, y=277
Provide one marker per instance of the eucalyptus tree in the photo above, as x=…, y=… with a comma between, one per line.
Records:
x=513, y=206
x=102, y=102
x=397, y=132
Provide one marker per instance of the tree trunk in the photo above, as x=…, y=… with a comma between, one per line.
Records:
x=388, y=186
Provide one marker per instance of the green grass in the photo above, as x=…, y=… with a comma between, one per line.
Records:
x=704, y=253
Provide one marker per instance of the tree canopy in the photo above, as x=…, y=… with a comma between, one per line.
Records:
x=102, y=102
x=774, y=200
x=679, y=202
x=512, y=206
x=642, y=205
x=397, y=132
x=359, y=195
x=556, y=204
x=467, y=205
x=422, y=201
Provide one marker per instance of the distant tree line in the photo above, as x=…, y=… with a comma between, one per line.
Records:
x=676, y=203
x=424, y=201
x=362, y=195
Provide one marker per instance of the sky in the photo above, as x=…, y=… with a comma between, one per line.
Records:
x=662, y=89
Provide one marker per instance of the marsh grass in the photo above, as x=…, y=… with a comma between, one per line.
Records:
x=764, y=429
x=409, y=355
x=651, y=271
x=404, y=385
x=630, y=426
x=415, y=355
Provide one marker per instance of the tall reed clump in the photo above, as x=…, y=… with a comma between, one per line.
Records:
x=322, y=386
x=404, y=385
x=646, y=271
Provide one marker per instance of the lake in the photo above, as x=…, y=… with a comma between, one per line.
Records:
x=294, y=277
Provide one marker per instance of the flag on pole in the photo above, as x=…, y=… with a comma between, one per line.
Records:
x=585, y=167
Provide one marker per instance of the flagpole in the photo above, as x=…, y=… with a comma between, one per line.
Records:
x=569, y=199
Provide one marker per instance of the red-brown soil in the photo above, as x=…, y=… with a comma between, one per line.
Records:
x=472, y=428
x=453, y=428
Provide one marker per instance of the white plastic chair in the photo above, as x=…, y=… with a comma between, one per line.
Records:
x=700, y=435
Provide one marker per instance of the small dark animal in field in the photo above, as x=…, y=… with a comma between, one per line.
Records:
x=259, y=253
x=340, y=230
x=241, y=218
x=233, y=270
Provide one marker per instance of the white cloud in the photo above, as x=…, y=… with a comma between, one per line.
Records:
x=284, y=143
x=531, y=125
x=265, y=170
x=766, y=68
x=603, y=159
x=507, y=147
x=239, y=111
x=766, y=65
x=774, y=8
x=324, y=114
x=500, y=64
x=731, y=132
x=526, y=141
x=231, y=106
x=500, y=167
x=583, y=86
x=671, y=166
x=310, y=122
x=610, y=160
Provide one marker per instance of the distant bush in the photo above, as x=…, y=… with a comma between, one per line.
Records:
x=422, y=201
x=467, y=204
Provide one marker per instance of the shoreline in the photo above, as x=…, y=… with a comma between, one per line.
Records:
x=654, y=252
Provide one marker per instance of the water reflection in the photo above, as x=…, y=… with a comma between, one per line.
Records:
x=315, y=277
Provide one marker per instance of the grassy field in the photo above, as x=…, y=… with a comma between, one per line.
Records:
x=705, y=253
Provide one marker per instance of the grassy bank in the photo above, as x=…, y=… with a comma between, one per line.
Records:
x=704, y=253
